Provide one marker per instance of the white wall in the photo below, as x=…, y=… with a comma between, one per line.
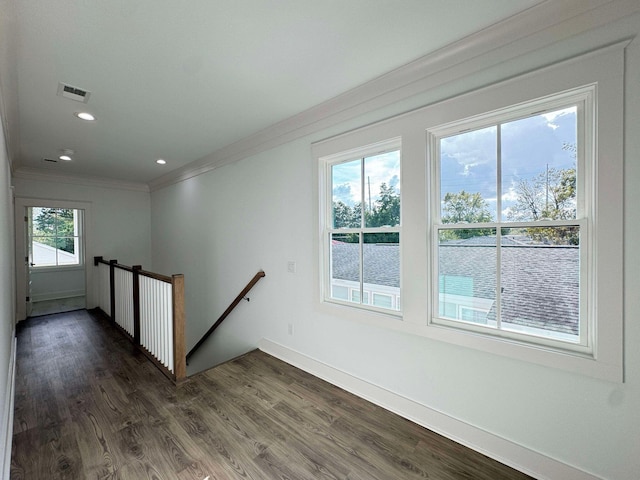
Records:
x=220, y=227
x=7, y=314
x=117, y=220
x=8, y=105
x=57, y=283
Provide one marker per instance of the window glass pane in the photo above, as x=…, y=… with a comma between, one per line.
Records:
x=540, y=279
x=346, y=187
x=473, y=315
x=54, y=236
x=539, y=167
x=44, y=224
x=382, y=190
x=467, y=274
x=381, y=265
x=339, y=292
x=345, y=265
x=64, y=220
x=382, y=301
x=67, y=254
x=468, y=176
x=355, y=297
x=43, y=255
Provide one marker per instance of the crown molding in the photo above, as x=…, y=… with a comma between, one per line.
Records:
x=35, y=174
x=537, y=27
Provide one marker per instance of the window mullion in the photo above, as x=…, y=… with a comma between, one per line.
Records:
x=363, y=224
x=55, y=236
x=498, y=229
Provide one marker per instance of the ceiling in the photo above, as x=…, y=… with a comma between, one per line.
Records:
x=180, y=79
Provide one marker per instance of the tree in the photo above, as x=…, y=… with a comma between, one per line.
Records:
x=386, y=210
x=464, y=207
x=343, y=216
x=55, y=227
x=385, y=213
x=550, y=195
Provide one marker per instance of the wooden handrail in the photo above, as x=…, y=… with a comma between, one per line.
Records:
x=226, y=313
x=177, y=315
x=144, y=273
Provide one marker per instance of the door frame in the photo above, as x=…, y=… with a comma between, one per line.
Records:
x=21, y=203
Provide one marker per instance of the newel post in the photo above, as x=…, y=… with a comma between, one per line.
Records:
x=179, y=348
x=112, y=288
x=135, y=270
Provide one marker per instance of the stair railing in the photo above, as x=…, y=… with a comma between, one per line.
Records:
x=242, y=295
x=149, y=309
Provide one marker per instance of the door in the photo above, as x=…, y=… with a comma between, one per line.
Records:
x=55, y=260
x=28, y=260
x=69, y=276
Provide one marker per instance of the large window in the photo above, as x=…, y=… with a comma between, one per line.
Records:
x=54, y=236
x=511, y=221
x=512, y=216
x=362, y=227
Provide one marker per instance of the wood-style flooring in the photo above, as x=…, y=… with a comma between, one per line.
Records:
x=88, y=406
x=58, y=305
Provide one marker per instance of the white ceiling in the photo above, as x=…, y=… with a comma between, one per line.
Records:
x=180, y=79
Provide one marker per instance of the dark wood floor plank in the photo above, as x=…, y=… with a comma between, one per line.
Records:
x=90, y=406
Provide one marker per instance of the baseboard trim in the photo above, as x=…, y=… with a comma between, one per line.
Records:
x=505, y=451
x=7, y=415
x=43, y=297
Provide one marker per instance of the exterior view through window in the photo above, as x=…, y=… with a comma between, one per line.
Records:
x=54, y=236
x=510, y=225
x=363, y=231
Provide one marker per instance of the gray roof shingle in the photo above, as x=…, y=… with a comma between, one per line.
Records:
x=540, y=284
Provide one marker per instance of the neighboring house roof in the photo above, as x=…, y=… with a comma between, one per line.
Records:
x=46, y=255
x=540, y=283
x=381, y=263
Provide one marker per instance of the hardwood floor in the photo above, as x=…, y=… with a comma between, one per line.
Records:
x=59, y=305
x=88, y=406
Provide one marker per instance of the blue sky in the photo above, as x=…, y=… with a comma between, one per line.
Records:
x=469, y=160
x=378, y=169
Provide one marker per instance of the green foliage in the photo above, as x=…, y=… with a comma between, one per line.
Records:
x=344, y=216
x=464, y=207
x=54, y=227
x=385, y=212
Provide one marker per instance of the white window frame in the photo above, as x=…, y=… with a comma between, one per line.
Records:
x=325, y=164
x=584, y=99
x=603, y=69
x=78, y=224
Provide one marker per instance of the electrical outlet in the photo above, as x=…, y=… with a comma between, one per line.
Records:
x=291, y=329
x=291, y=267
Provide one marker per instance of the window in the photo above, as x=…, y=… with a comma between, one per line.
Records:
x=362, y=227
x=54, y=236
x=512, y=219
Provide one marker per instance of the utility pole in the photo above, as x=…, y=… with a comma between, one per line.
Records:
x=369, y=183
x=546, y=202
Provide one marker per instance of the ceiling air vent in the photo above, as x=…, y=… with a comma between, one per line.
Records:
x=73, y=93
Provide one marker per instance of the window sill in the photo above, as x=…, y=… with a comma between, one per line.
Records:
x=56, y=268
x=571, y=361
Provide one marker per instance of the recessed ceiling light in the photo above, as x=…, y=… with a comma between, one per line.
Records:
x=85, y=116
x=65, y=154
x=161, y=161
